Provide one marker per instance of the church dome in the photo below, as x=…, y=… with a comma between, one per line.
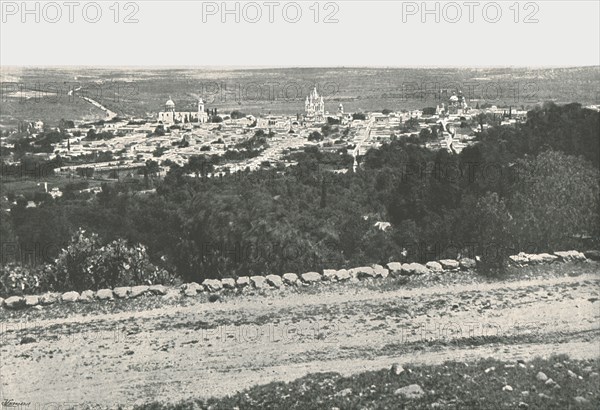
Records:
x=170, y=103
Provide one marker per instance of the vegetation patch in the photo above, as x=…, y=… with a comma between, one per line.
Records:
x=486, y=384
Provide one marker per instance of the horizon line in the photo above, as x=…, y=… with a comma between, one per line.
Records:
x=263, y=67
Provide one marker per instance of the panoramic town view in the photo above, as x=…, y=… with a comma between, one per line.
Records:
x=297, y=236
x=221, y=247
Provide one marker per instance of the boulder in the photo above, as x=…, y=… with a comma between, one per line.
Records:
x=87, y=296
x=342, y=275
x=343, y=393
x=329, y=275
x=449, y=264
x=434, y=266
x=259, y=282
x=380, y=271
x=228, y=283
x=122, y=292
x=158, y=289
x=105, y=294
x=243, y=281
x=570, y=256
x=414, y=269
x=362, y=272
x=49, y=298
x=274, y=280
x=212, y=285
x=70, y=297
x=192, y=288
x=413, y=391
x=290, y=278
x=172, y=294
x=519, y=260
x=31, y=300
x=592, y=254
x=139, y=290
x=311, y=277
x=542, y=258
x=541, y=376
x=14, y=302
x=395, y=268
x=467, y=263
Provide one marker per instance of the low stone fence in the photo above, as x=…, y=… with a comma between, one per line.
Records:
x=393, y=269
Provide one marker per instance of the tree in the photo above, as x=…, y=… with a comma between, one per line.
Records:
x=237, y=114
x=429, y=111
x=555, y=200
x=201, y=165
x=326, y=130
x=426, y=135
x=492, y=223
x=85, y=172
x=412, y=124
x=152, y=167
x=315, y=136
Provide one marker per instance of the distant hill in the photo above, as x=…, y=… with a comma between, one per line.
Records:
x=142, y=91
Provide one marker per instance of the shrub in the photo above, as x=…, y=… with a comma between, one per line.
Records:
x=87, y=264
x=19, y=280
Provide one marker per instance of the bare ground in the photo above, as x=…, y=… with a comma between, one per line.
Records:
x=190, y=348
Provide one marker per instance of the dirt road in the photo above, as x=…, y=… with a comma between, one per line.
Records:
x=203, y=349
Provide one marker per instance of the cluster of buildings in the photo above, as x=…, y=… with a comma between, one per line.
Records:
x=127, y=145
x=456, y=105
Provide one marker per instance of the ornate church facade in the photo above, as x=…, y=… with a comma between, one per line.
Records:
x=314, y=107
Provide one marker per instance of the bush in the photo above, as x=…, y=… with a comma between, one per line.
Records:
x=86, y=264
x=19, y=280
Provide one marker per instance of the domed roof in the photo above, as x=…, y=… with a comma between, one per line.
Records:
x=170, y=103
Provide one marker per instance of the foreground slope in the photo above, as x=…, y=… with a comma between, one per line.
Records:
x=126, y=352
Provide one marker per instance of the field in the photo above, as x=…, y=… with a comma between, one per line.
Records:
x=307, y=346
x=142, y=92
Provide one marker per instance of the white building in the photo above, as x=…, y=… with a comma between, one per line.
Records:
x=314, y=107
x=170, y=116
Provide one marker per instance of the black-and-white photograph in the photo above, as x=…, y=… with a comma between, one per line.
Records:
x=304, y=205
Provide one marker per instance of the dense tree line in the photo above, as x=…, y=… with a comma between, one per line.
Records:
x=531, y=187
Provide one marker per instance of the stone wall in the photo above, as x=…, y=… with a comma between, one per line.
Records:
x=392, y=269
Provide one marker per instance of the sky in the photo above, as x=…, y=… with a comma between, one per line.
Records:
x=302, y=33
